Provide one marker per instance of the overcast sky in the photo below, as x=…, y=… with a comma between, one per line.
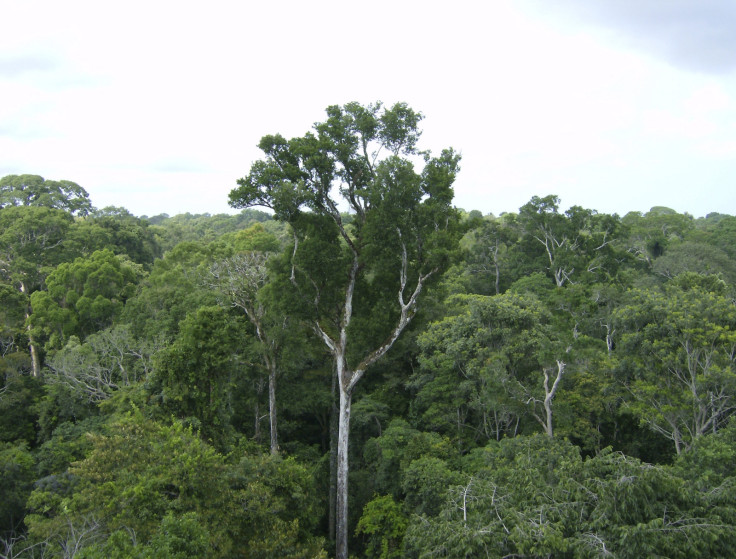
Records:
x=157, y=106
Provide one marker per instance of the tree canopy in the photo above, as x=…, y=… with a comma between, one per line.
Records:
x=363, y=366
x=33, y=190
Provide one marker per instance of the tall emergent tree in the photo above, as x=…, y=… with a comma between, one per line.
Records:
x=357, y=278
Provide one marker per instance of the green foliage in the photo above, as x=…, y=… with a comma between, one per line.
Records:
x=478, y=367
x=394, y=207
x=19, y=394
x=650, y=234
x=580, y=244
x=697, y=257
x=30, y=243
x=273, y=507
x=16, y=481
x=109, y=452
x=389, y=457
x=711, y=460
x=145, y=489
x=490, y=245
x=205, y=228
x=678, y=345
x=534, y=496
x=83, y=297
x=132, y=478
x=346, y=275
x=115, y=229
x=171, y=291
x=194, y=373
x=13, y=307
x=384, y=524
x=32, y=190
x=254, y=238
x=68, y=443
x=723, y=235
x=425, y=482
x=60, y=404
x=178, y=537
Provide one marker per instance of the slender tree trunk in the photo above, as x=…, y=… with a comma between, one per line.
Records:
x=341, y=524
x=549, y=395
x=257, y=423
x=333, y=460
x=272, y=408
x=498, y=270
x=269, y=360
x=35, y=359
x=609, y=337
x=257, y=410
x=548, y=411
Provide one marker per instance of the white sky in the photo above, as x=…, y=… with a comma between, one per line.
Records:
x=157, y=106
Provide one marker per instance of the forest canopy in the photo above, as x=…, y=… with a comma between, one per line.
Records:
x=545, y=383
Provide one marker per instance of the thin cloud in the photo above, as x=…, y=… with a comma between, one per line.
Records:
x=15, y=66
x=695, y=36
x=160, y=107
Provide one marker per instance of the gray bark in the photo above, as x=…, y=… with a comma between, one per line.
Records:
x=35, y=359
x=341, y=520
x=348, y=379
x=333, y=461
x=272, y=409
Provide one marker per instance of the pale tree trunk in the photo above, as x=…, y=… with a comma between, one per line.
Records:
x=35, y=359
x=498, y=270
x=549, y=393
x=272, y=410
x=676, y=439
x=610, y=331
x=257, y=417
x=270, y=362
x=347, y=379
x=551, y=245
x=334, y=411
x=341, y=520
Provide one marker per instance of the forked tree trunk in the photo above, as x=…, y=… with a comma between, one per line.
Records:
x=549, y=395
x=348, y=378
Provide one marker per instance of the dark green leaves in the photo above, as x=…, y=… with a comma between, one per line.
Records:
x=32, y=190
